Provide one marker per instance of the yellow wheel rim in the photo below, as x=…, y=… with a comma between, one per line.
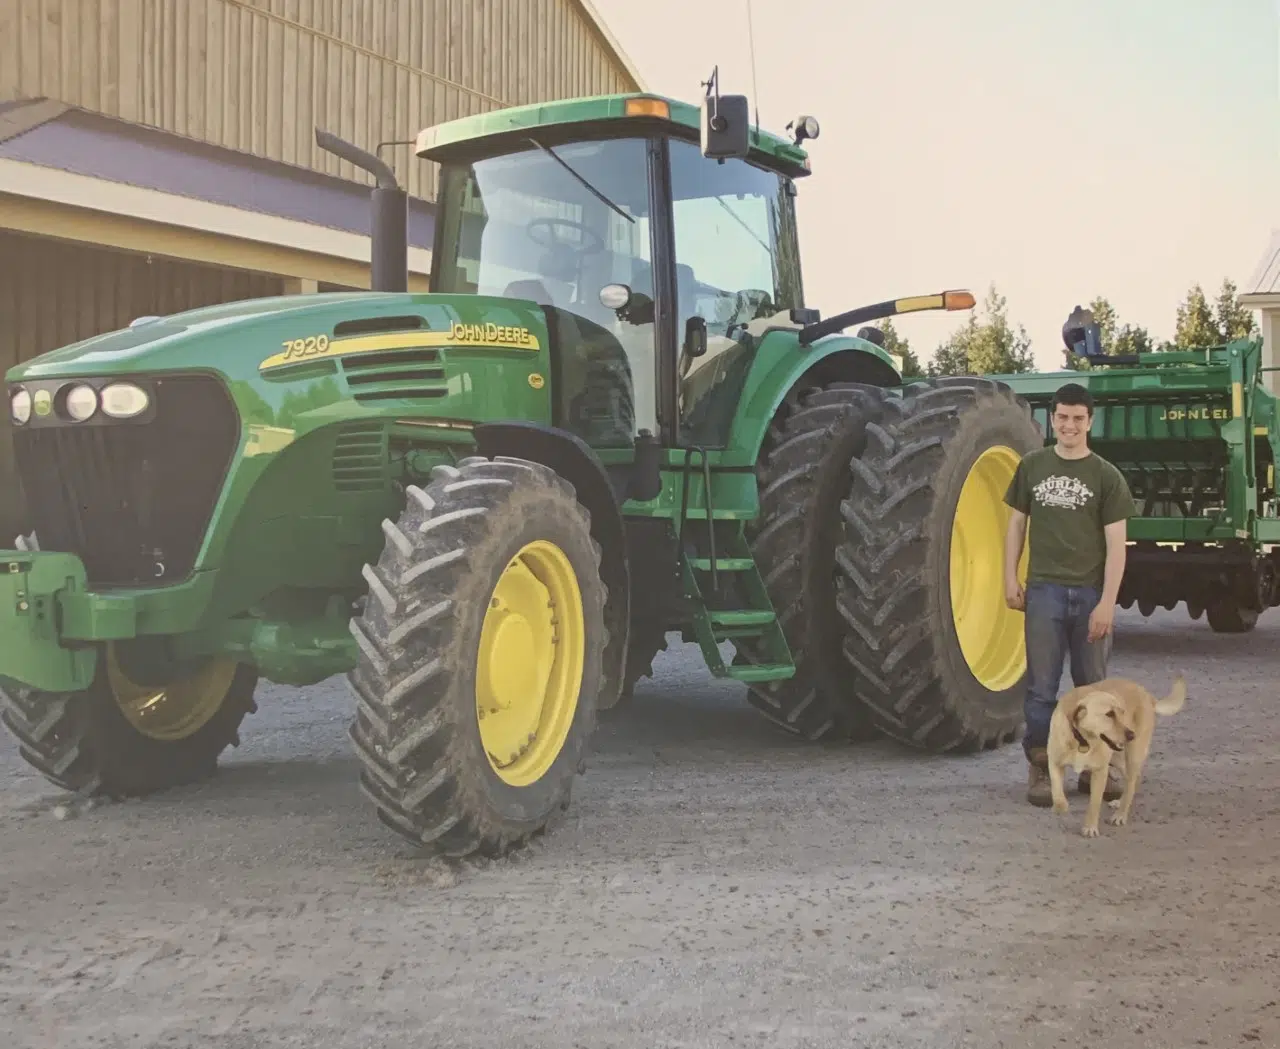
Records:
x=178, y=709
x=990, y=633
x=529, y=665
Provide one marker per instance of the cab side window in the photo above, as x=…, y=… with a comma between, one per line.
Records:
x=736, y=261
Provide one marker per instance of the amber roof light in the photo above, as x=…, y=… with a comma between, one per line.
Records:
x=648, y=107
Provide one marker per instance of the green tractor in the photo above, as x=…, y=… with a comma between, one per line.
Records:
x=613, y=417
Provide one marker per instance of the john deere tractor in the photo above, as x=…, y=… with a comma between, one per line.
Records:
x=613, y=417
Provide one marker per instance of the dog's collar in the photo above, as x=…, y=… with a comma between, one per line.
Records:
x=1084, y=743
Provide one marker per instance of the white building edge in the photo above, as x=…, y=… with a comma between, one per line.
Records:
x=1262, y=294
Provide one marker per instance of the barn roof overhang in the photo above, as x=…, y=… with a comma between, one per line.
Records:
x=56, y=156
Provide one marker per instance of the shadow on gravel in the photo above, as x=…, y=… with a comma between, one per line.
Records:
x=262, y=778
x=1188, y=646
x=672, y=727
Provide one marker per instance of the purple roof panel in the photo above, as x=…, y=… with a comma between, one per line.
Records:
x=101, y=147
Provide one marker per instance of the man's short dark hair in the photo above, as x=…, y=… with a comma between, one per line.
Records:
x=1072, y=393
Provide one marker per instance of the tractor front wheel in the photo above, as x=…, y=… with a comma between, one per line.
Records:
x=939, y=658
x=479, y=657
x=136, y=729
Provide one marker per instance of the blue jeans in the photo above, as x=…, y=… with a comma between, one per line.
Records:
x=1057, y=626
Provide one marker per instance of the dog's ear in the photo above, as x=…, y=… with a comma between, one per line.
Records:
x=1071, y=706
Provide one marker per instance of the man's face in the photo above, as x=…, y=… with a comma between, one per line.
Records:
x=1071, y=424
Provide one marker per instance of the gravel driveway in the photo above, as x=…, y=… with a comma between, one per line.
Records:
x=714, y=885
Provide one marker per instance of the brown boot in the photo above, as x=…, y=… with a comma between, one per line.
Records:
x=1039, y=792
x=1114, y=788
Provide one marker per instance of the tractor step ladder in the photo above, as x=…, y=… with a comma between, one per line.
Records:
x=701, y=577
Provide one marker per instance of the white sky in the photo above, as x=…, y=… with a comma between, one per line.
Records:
x=1058, y=149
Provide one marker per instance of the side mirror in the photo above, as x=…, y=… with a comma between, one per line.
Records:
x=726, y=126
x=695, y=337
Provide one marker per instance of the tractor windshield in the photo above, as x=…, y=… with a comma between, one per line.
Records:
x=556, y=226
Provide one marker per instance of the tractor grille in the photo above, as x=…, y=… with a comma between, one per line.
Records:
x=133, y=501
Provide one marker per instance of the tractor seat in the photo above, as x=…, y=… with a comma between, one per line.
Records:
x=529, y=289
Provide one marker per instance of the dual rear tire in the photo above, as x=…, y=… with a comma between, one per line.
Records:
x=881, y=543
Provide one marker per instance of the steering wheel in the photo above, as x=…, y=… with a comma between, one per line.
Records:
x=596, y=242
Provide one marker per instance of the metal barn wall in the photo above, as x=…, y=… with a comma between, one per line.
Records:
x=53, y=293
x=259, y=75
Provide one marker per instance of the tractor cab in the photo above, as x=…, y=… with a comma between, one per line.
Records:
x=657, y=240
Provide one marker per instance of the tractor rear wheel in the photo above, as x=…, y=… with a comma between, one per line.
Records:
x=132, y=733
x=803, y=475
x=938, y=657
x=479, y=657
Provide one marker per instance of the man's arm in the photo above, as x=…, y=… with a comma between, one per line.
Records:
x=1014, y=537
x=1116, y=533
x=1118, y=506
x=1104, y=614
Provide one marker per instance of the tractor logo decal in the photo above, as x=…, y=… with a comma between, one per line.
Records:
x=1067, y=493
x=472, y=336
x=492, y=335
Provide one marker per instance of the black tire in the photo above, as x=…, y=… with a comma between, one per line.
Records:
x=803, y=475
x=895, y=588
x=1226, y=616
x=82, y=742
x=425, y=767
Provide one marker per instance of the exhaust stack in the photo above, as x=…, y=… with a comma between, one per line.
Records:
x=389, y=226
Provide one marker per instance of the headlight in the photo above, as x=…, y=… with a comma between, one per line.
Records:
x=81, y=402
x=20, y=407
x=123, y=400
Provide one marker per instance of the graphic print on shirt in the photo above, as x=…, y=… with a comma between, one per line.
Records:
x=1066, y=493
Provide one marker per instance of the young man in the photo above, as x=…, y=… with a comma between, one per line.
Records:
x=1075, y=505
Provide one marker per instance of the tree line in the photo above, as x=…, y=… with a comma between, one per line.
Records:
x=991, y=344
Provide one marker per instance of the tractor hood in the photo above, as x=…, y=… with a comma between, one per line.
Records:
x=262, y=338
x=295, y=364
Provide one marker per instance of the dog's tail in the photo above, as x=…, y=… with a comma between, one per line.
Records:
x=1173, y=702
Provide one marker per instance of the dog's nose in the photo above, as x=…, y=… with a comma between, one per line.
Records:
x=1128, y=734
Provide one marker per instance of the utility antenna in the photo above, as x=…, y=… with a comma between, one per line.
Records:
x=751, y=46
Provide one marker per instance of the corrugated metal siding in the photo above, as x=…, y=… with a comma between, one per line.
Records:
x=259, y=75
x=52, y=294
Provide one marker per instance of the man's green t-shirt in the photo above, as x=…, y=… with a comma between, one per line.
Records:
x=1068, y=503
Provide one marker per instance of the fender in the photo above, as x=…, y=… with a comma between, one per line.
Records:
x=781, y=363
x=571, y=457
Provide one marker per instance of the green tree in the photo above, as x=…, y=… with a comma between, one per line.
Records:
x=1201, y=324
x=984, y=347
x=1196, y=325
x=895, y=343
x=1234, y=321
x=1132, y=338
